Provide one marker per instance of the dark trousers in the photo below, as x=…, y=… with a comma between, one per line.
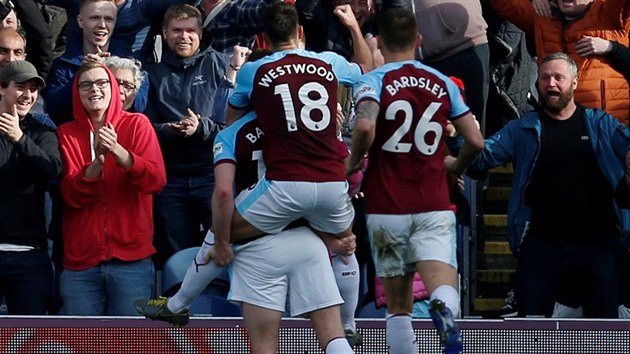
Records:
x=182, y=214
x=572, y=274
x=622, y=262
x=26, y=281
x=472, y=66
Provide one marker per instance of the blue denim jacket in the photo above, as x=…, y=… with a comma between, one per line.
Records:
x=519, y=142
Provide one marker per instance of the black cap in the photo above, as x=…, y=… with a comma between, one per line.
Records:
x=20, y=71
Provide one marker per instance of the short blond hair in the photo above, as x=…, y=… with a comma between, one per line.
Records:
x=181, y=12
x=84, y=2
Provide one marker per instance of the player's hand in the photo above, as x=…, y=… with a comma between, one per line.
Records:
x=453, y=173
x=450, y=162
x=239, y=56
x=340, y=246
x=346, y=16
x=221, y=253
x=10, y=125
x=592, y=46
x=543, y=7
x=358, y=195
x=377, y=55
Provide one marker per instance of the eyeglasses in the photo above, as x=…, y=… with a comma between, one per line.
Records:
x=126, y=86
x=87, y=85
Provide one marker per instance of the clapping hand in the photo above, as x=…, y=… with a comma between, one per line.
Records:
x=107, y=137
x=10, y=125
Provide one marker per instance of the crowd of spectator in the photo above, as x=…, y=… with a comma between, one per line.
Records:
x=112, y=115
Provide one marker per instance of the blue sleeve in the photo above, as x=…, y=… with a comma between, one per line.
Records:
x=458, y=106
x=152, y=111
x=347, y=73
x=44, y=119
x=368, y=86
x=620, y=138
x=241, y=97
x=140, y=102
x=221, y=96
x=58, y=93
x=224, y=146
x=499, y=148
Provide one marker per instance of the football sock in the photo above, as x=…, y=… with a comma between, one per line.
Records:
x=449, y=296
x=347, y=277
x=338, y=345
x=399, y=335
x=197, y=278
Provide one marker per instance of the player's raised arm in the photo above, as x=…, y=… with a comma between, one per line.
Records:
x=362, y=54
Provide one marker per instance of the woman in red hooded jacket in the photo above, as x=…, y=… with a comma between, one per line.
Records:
x=112, y=166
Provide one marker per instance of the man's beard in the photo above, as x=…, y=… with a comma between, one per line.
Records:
x=559, y=103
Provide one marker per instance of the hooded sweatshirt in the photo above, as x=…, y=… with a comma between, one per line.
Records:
x=110, y=216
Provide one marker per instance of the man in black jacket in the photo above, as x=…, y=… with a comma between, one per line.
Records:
x=29, y=159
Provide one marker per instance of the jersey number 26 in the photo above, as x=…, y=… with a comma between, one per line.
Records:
x=424, y=126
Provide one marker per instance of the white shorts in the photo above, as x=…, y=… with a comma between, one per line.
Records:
x=270, y=206
x=295, y=262
x=399, y=241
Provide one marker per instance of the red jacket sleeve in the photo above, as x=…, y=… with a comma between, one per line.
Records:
x=77, y=190
x=147, y=172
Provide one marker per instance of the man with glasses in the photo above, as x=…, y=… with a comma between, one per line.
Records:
x=130, y=79
x=112, y=168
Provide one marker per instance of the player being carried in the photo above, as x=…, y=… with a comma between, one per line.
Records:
x=294, y=95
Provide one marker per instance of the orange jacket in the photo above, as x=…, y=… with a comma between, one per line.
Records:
x=599, y=85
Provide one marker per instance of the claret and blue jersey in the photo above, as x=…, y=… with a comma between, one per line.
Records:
x=406, y=173
x=294, y=95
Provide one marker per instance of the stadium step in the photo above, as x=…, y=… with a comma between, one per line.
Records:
x=494, y=276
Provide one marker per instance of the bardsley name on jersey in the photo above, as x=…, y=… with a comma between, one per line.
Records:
x=296, y=68
x=420, y=82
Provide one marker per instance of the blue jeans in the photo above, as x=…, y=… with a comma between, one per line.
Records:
x=107, y=289
x=26, y=281
x=182, y=214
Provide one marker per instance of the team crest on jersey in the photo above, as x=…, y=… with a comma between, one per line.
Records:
x=218, y=148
